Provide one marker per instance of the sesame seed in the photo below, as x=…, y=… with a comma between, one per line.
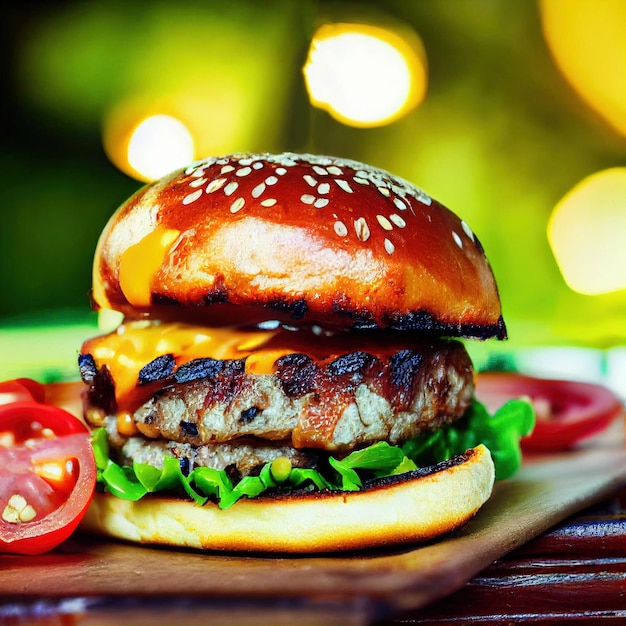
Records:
x=307, y=198
x=340, y=228
x=192, y=197
x=269, y=325
x=334, y=170
x=319, y=159
x=397, y=220
x=343, y=184
x=231, y=188
x=268, y=202
x=399, y=203
x=271, y=180
x=310, y=180
x=258, y=190
x=467, y=229
x=198, y=173
x=226, y=169
x=324, y=188
x=215, y=184
x=257, y=165
x=246, y=161
x=244, y=171
x=422, y=196
x=384, y=191
x=320, y=203
x=384, y=222
x=281, y=171
x=198, y=182
x=322, y=171
x=361, y=181
x=457, y=240
x=389, y=247
x=362, y=229
x=237, y=205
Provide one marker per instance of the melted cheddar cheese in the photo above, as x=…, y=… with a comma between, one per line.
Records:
x=139, y=264
x=134, y=344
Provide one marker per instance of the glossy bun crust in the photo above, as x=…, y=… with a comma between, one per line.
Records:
x=313, y=238
x=411, y=508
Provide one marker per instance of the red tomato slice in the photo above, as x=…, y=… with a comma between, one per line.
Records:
x=566, y=411
x=21, y=390
x=47, y=476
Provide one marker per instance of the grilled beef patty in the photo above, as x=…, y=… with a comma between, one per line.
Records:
x=337, y=405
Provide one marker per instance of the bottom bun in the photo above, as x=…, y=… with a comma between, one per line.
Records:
x=406, y=508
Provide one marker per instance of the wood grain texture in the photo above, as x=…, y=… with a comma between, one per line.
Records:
x=574, y=573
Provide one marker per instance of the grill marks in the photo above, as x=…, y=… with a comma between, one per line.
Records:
x=158, y=369
x=299, y=374
x=208, y=369
x=87, y=367
x=296, y=373
x=404, y=366
x=354, y=364
x=102, y=388
x=304, y=402
x=162, y=369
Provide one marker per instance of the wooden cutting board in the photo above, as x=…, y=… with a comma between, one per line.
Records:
x=348, y=588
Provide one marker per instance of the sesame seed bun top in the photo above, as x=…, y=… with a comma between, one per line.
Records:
x=316, y=238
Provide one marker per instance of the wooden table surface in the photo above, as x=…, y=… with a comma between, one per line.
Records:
x=575, y=573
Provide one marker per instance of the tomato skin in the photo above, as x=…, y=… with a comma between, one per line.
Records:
x=43, y=433
x=21, y=390
x=18, y=417
x=567, y=411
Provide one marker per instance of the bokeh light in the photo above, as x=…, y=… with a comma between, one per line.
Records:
x=159, y=145
x=364, y=75
x=148, y=137
x=588, y=42
x=587, y=232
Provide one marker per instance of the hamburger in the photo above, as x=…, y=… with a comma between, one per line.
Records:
x=290, y=361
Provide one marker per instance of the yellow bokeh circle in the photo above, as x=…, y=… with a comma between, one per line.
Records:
x=587, y=39
x=364, y=75
x=587, y=233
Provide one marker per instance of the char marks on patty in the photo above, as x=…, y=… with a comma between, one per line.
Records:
x=337, y=404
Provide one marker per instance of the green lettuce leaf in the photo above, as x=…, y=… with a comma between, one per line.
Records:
x=500, y=432
x=381, y=459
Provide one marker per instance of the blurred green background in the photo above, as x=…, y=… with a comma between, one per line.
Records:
x=501, y=135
